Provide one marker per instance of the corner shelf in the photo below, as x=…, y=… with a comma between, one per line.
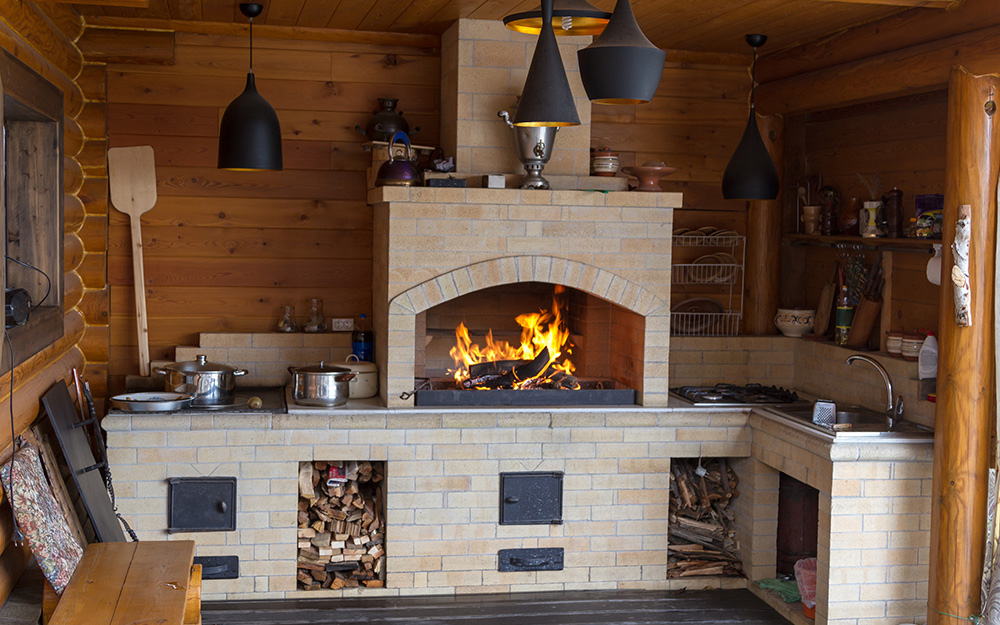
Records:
x=917, y=246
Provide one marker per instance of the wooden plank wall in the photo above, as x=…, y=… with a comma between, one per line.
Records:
x=43, y=37
x=902, y=142
x=694, y=123
x=225, y=251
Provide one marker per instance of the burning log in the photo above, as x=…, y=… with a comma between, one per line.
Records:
x=341, y=526
x=701, y=530
x=519, y=371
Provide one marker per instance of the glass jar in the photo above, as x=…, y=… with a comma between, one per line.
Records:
x=316, y=322
x=287, y=321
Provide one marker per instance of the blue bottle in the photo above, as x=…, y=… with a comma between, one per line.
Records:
x=363, y=340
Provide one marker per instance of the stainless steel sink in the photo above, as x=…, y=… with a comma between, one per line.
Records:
x=857, y=421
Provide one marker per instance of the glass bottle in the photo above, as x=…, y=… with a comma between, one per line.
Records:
x=363, y=340
x=316, y=322
x=287, y=322
x=845, y=316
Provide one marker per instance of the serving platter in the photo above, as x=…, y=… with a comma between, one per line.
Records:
x=159, y=401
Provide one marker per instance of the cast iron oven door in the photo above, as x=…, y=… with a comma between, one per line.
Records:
x=531, y=498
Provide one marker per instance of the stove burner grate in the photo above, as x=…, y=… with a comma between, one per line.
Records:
x=733, y=394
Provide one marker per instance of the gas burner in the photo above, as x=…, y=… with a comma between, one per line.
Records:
x=725, y=394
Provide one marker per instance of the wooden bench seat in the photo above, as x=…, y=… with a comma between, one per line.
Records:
x=126, y=583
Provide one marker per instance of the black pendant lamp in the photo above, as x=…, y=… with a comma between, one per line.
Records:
x=751, y=174
x=569, y=17
x=250, y=135
x=621, y=66
x=546, y=99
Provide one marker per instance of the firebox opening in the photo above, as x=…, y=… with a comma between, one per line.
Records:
x=341, y=524
x=604, y=341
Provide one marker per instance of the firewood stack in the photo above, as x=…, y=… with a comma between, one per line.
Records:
x=701, y=529
x=341, y=525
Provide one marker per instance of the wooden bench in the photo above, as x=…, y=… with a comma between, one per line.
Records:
x=125, y=583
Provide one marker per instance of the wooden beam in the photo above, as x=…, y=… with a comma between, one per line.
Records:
x=965, y=376
x=763, y=249
x=119, y=45
x=929, y=4
x=898, y=31
x=131, y=4
x=916, y=69
x=275, y=32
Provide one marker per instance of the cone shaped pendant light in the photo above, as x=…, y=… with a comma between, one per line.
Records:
x=751, y=174
x=250, y=135
x=622, y=66
x=569, y=17
x=546, y=99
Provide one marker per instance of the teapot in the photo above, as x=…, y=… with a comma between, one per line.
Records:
x=398, y=171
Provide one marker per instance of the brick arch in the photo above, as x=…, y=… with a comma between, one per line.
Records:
x=513, y=269
x=397, y=366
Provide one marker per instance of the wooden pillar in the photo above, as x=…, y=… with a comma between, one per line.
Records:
x=965, y=381
x=763, y=262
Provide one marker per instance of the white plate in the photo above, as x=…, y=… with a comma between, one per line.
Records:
x=158, y=401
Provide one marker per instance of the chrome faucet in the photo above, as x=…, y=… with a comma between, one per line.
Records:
x=893, y=410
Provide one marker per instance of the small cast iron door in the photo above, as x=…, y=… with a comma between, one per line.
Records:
x=531, y=498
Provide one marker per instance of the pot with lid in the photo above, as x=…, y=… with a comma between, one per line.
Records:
x=212, y=383
x=321, y=385
x=365, y=382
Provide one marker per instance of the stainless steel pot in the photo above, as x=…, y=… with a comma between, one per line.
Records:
x=322, y=385
x=212, y=384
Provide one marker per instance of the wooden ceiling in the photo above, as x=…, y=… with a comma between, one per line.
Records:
x=714, y=26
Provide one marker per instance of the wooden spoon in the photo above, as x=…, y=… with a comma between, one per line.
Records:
x=132, y=177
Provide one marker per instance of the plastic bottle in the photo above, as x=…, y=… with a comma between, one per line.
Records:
x=845, y=315
x=927, y=360
x=363, y=340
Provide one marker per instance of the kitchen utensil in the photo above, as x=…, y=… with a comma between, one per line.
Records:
x=365, y=382
x=866, y=315
x=824, y=412
x=213, y=384
x=132, y=178
x=695, y=316
x=321, y=385
x=825, y=306
x=160, y=401
x=648, y=175
x=398, y=172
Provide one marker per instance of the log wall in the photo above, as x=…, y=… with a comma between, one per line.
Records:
x=225, y=251
x=44, y=36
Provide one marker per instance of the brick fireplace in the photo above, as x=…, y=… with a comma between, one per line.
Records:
x=435, y=245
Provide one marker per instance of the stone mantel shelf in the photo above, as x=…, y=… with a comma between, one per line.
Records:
x=526, y=196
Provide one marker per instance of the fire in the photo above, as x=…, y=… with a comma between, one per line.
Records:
x=539, y=331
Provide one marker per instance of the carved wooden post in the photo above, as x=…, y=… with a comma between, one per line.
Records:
x=763, y=263
x=962, y=431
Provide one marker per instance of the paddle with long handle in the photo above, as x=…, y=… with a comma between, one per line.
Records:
x=132, y=176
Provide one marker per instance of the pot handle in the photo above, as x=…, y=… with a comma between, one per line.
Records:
x=344, y=377
x=237, y=372
x=399, y=134
x=160, y=370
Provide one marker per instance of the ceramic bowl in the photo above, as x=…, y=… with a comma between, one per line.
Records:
x=795, y=322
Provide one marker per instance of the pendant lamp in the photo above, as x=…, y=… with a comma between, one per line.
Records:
x=621, y=66
x=569, y=17
x=751, y=174
x=250, y=135
x=546, y=99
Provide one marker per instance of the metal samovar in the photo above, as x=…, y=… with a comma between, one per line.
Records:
x=534, y=149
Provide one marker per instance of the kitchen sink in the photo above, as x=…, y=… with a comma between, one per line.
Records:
x=856, y=421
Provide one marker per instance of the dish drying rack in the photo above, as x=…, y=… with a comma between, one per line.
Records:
x=717, y=308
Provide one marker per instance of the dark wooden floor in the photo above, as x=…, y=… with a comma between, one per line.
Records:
x=738, y=607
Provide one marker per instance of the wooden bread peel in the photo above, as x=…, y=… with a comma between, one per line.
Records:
x=132, y=177
x=825, y=307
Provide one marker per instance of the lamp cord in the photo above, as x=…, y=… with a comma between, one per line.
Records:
x=251, y=45
x=753, y=76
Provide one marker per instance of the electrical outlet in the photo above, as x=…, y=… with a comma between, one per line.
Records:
x=341, y=325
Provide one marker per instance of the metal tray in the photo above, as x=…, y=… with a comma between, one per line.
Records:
x=159, y=401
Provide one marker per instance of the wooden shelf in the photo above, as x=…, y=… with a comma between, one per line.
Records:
x=920, y=246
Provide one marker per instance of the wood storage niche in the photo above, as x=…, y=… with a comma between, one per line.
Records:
x=341, y=524
x=702, y=532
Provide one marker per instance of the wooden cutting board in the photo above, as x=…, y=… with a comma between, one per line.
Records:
x=824, y=308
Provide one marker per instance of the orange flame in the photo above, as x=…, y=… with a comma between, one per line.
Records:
x=540, y=330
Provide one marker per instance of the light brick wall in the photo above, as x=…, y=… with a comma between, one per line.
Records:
x=483, y=67
x=443, y=243
x=267, y=355
x=874, y=520
x=815, y=368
